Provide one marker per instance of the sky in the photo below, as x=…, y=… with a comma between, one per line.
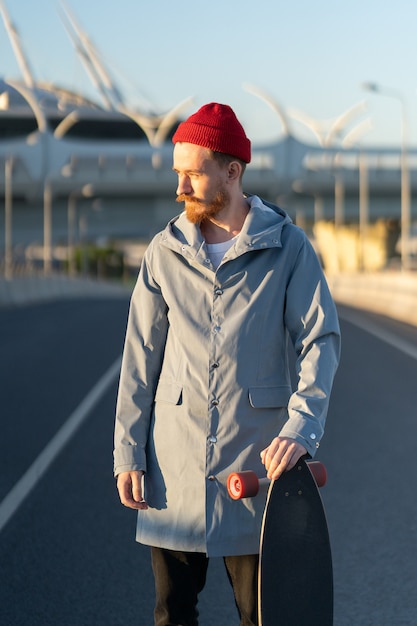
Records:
x=309, y=57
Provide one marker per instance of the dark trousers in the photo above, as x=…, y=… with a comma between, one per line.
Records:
x=180, y=576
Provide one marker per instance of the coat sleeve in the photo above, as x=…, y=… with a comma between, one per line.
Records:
x=141, y=365
x=312, y=322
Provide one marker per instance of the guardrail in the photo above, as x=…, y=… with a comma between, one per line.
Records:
x=391, y=293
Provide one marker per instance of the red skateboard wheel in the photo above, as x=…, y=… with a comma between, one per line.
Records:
x=242, y=484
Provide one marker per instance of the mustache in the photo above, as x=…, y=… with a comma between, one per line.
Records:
x=183, y=197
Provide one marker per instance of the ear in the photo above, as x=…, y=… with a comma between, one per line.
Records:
x=234, y=171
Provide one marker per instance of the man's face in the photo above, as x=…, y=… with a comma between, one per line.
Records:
x=201, y=182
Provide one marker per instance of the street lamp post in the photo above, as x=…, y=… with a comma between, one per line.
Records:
x=47, y=226
x=405, y=172
x=339, y=193
x=87, y=191
x=363, y=209
x=8, y=208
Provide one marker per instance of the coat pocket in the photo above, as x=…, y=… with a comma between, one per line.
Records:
x=168, y=392
x=269, y=397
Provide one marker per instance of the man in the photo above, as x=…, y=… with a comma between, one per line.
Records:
x=205, y=386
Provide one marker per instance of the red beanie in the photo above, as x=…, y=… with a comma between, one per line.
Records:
x=215, y=126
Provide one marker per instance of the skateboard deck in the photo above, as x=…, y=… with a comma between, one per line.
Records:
x=295, y=565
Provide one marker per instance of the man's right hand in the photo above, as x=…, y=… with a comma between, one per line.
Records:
x=129, y=485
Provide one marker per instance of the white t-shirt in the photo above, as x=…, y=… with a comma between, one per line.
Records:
x=216, y=251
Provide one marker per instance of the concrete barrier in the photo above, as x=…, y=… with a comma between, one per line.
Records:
x=31, y=289
x=390, y=293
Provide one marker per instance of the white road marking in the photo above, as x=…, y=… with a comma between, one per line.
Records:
x=32, y=476
x=384, y=335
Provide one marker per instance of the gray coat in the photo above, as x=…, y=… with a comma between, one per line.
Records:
x=205, y=382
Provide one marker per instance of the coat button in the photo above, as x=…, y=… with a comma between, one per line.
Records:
x=215, y=365
x=212, y=477
x=219, y=292
x=213, y=439
x=214, y=402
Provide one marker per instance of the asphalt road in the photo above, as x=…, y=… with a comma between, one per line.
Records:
x=68, y=555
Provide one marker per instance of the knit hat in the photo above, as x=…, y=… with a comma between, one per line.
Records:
x=215, y=126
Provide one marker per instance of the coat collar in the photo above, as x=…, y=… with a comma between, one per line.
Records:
x=262, y=229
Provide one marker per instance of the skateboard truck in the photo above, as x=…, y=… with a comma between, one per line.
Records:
x=246, y=484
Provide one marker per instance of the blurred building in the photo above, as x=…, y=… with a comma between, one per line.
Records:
x=58, y=145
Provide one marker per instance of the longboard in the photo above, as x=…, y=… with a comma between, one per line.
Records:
x=295, y=565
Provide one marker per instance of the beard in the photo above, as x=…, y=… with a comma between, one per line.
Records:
x=199, y=210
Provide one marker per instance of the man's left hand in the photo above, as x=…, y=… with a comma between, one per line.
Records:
x=281, y=455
